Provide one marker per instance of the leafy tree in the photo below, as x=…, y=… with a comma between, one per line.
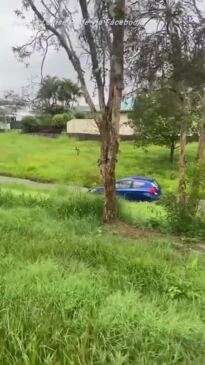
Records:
x=157, y=118
x=56, y=95
x=68, y=92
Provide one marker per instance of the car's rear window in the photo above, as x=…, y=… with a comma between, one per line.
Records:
x=155, y=183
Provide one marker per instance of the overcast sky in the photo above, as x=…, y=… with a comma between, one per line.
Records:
x=14, y=75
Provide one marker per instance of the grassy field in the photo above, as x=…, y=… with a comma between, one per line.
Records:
x=74, y=293
x=47, y=159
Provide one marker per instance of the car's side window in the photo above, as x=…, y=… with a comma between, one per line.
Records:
x=138, y=184
x=123, y=184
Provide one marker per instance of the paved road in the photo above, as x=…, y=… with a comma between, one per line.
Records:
x=27, y=182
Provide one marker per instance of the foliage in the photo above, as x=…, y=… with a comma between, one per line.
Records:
x=30, y=124
x=80, y=115
x=59, y=121
x=169, y=44
x=83, y=115
x=56, y=95
x=85, y=296
x=187, y=217
x=45, y=123
x=157, y=117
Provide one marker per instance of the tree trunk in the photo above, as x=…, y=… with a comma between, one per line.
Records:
x=172, y=149
x=109, y=151
x=201, y=145
x=109, y=128
x=196, y=183
x=182, y=168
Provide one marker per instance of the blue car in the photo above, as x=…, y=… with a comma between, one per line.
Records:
x=136, y=189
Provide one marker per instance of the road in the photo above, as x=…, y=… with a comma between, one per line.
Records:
x=35, y=184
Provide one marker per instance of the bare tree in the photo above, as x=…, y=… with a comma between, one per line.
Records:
x=101, y=34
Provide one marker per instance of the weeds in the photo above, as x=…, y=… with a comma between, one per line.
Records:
x=73, y=294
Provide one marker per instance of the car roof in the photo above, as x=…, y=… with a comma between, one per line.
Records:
x=137, y=178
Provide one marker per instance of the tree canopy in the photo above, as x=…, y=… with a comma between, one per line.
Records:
x=157, y=117
x=56, y=95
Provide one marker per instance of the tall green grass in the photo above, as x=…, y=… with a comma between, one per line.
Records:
x=73, y=293
x=144, y=215
x=47, y=159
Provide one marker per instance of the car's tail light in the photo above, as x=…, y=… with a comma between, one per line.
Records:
x=153, y=191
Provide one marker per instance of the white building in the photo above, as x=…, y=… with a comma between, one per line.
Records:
x=87, y=129
x=5, y=125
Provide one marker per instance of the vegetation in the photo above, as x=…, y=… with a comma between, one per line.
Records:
x=83, y=295
x=56, y=96
x=83, y=115
x=158, y=116
x=105, y=49
x=45, y=123
x=74, y=291
x=47, y=159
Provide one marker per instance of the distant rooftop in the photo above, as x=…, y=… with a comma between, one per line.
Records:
x=126, y=106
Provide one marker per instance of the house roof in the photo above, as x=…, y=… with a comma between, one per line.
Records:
x=126, y=106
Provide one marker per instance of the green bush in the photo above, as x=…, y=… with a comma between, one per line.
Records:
x=30, y=124
x=187, y=219
x=36, y=124
x=59, y=121
x=80, y=115
x=45, y=122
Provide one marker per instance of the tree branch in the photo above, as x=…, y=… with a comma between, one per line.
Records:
x=48, y=9
x=45, y=55
x=199, y=13
x=117, y=65
x=71, y=55
x=93, y=53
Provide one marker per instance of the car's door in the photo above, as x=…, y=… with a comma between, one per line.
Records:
x=123, y=188
x=138, y=190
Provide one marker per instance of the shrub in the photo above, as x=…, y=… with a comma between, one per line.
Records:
x=80, y=115
x=86, y=115
x=59, y=121
x=36, y=124
x=187, y=219
x=45, y=122
x=30, y=124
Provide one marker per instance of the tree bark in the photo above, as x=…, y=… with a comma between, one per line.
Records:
x=196, y=182
x=109, y=151
x=109, y=129
x=182, y=168
x=201, y=144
